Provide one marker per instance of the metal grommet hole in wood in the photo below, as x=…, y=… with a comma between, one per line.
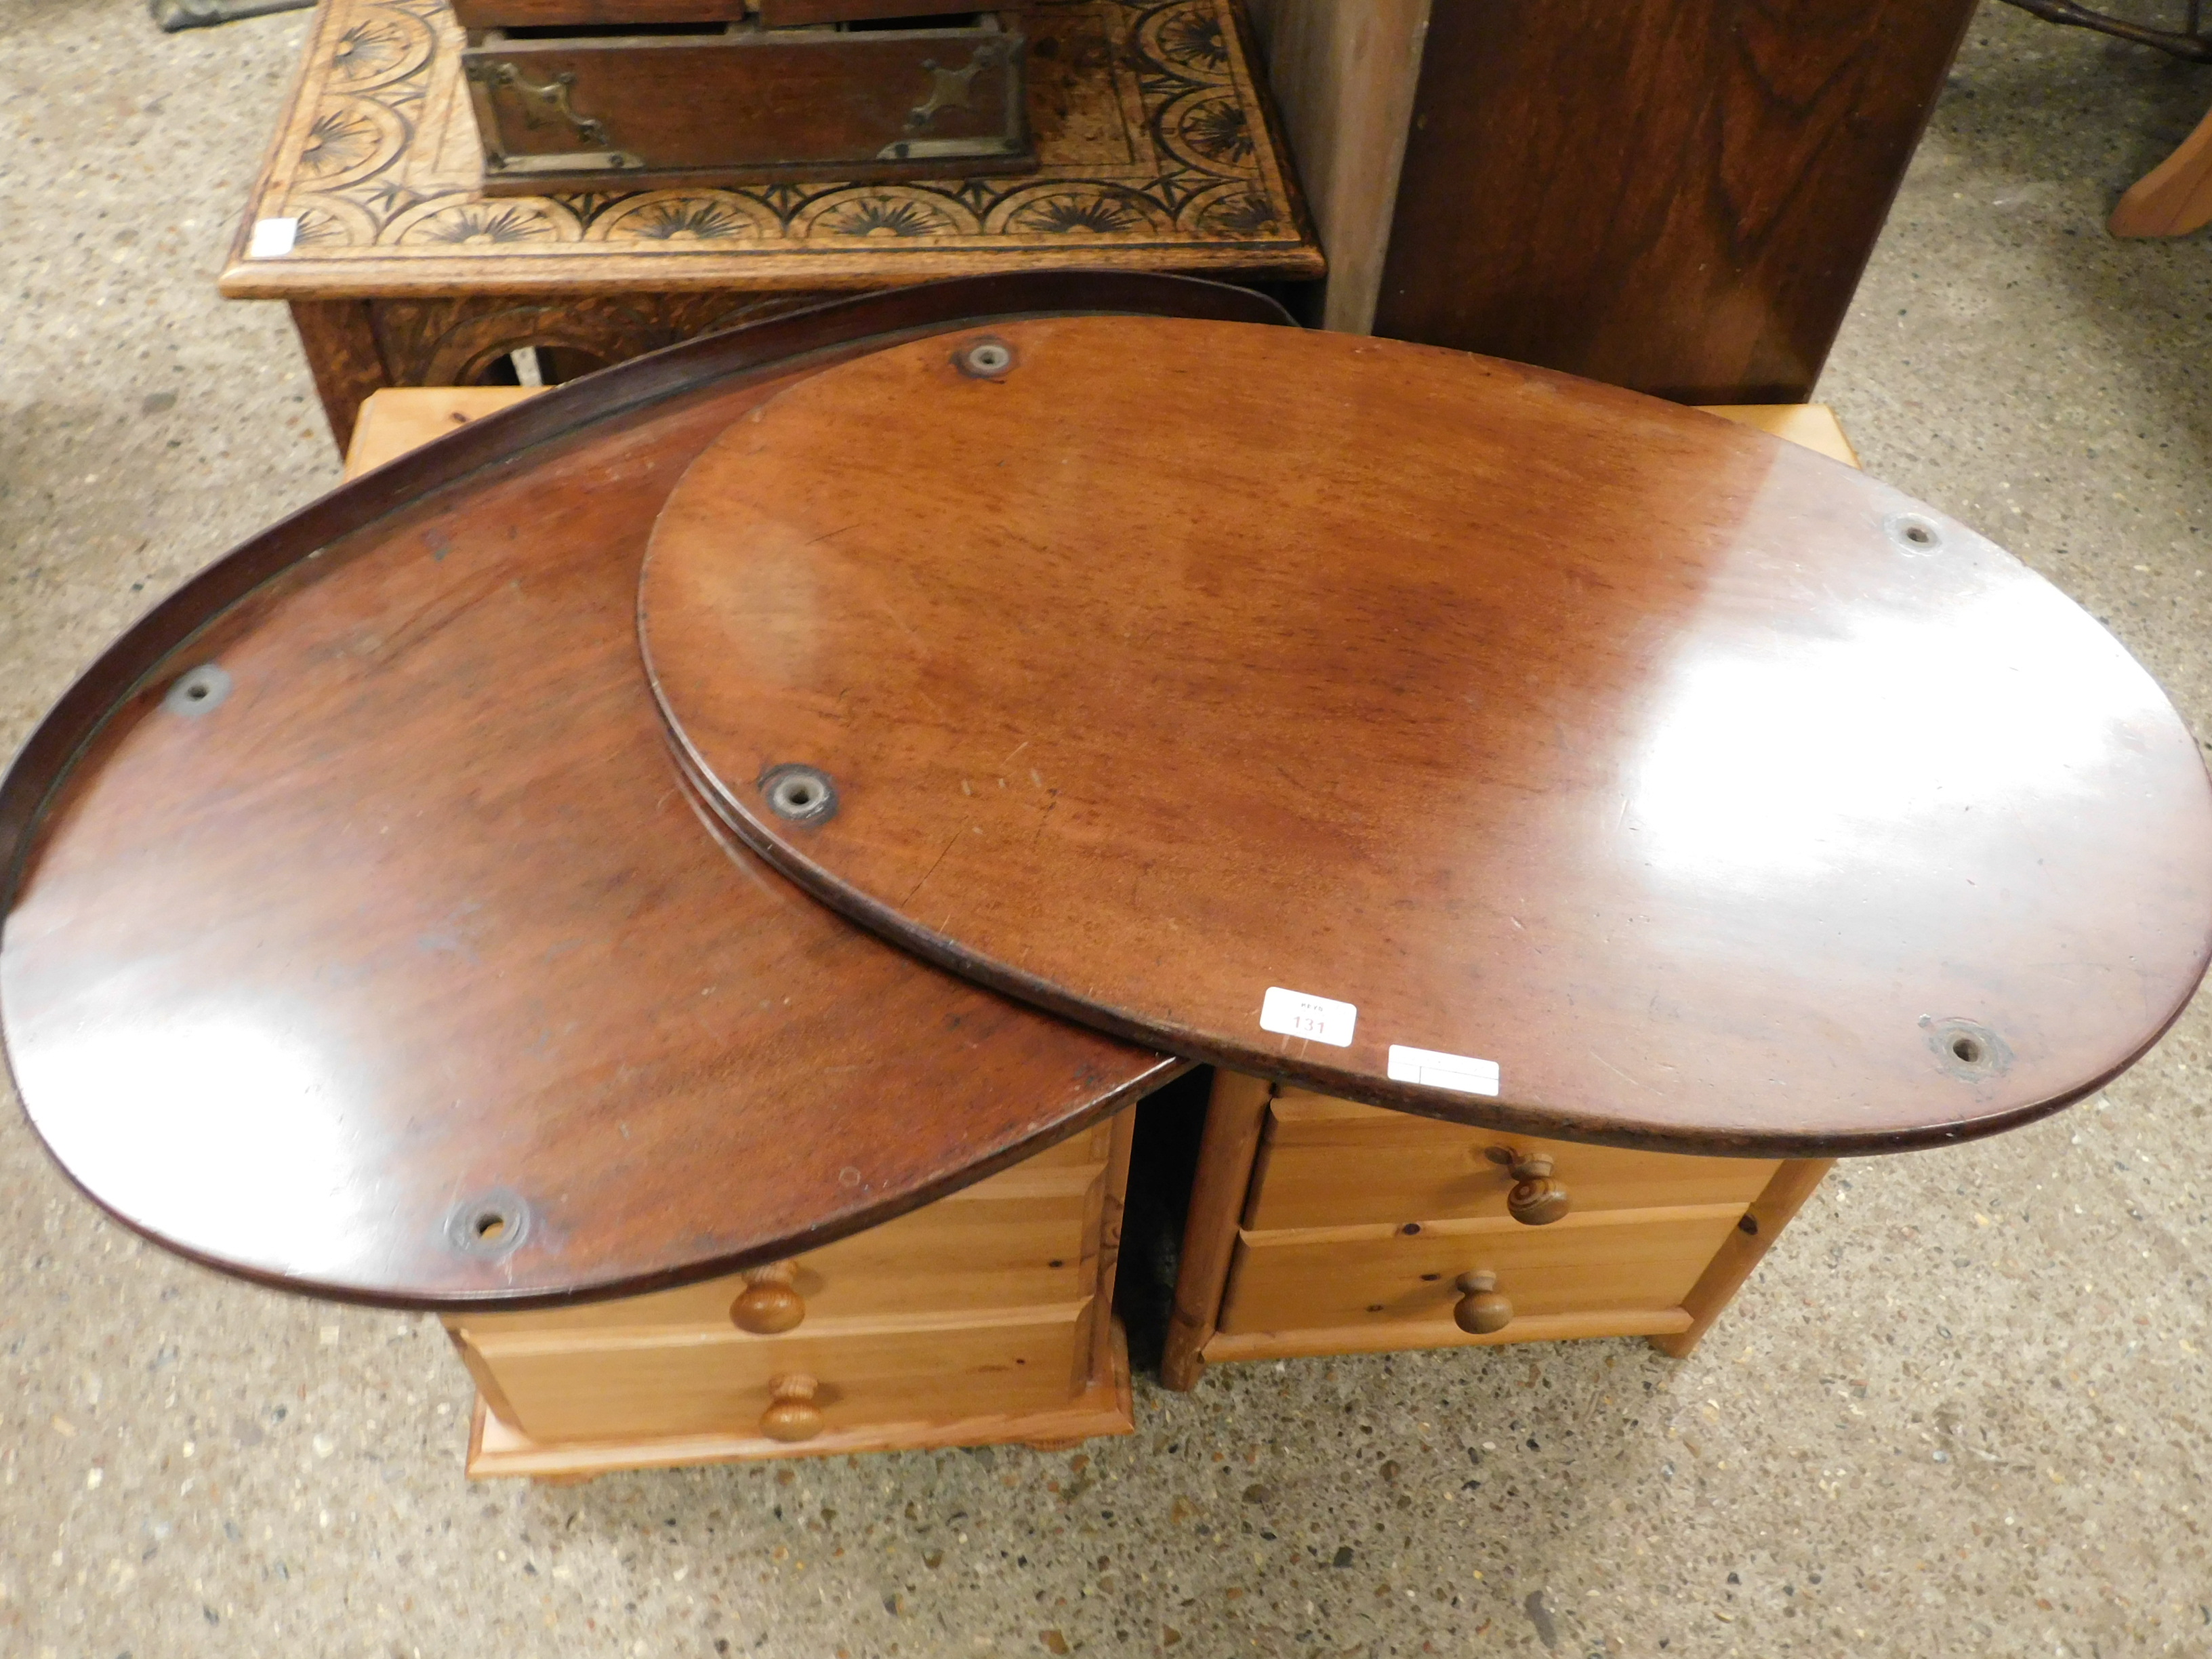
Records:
x=1914, y=532
x=987, y=359
x=1966, y=1047
x=799, y=793
x=492, y=1223
x=197, y=691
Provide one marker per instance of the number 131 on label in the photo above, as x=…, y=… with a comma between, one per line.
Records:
x=1318, y=1019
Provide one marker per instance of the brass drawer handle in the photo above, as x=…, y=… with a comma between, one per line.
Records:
x=1480, y=1310
x=1536, y=1199
x=768, y=1306
x=792, y=1414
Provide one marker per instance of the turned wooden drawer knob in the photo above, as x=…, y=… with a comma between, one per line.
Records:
x=792, y=1414
x=1536, y=1199
x=1480, y=1310
x=768, y=1306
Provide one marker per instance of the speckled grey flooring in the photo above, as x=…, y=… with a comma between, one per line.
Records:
x=1963, y=1410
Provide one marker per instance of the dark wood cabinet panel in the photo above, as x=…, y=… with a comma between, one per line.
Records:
x=1677, y=197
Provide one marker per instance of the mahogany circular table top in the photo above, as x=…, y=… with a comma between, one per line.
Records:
x=363, y=938
x=1434, y=731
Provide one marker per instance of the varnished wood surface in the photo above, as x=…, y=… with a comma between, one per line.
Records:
x=1332, y=1163
x=1401, y=1336
x=1643, y=1261
x=1677, y=197
x=774, y=14
x=1647, y=756
x=652, y=1384
x=1105, y=1407
x=417, y=923
x=788, y=13
x=789, y=106
x=475, y=15
x=1155, y=143
x=397, y=419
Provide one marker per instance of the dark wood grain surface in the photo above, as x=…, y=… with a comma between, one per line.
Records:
x=1677, y=196
x=1724, y=798
x=412, y=927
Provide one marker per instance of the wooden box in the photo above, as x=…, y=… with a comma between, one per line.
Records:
x=736, y=102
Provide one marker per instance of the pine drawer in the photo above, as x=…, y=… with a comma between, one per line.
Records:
x=1622, y=1266
x=832, y=1380
x=1329, y=1163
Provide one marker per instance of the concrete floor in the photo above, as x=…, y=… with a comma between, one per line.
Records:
x=1964, y=1409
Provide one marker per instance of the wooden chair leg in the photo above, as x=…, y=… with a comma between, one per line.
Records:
x=1234, y=1116
x=2175, y=196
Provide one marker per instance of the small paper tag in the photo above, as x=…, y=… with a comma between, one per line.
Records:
x=272, y=239
x=1462, y=1073
x=1318, y=1019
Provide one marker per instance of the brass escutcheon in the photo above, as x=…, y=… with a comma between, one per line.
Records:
x=553, y=97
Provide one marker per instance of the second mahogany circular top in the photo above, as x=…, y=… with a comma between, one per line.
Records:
x=1435, y=732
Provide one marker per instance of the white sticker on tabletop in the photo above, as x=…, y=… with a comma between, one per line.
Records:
x=1462, y=1073
x=1318, y=1019
x=272, y=239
